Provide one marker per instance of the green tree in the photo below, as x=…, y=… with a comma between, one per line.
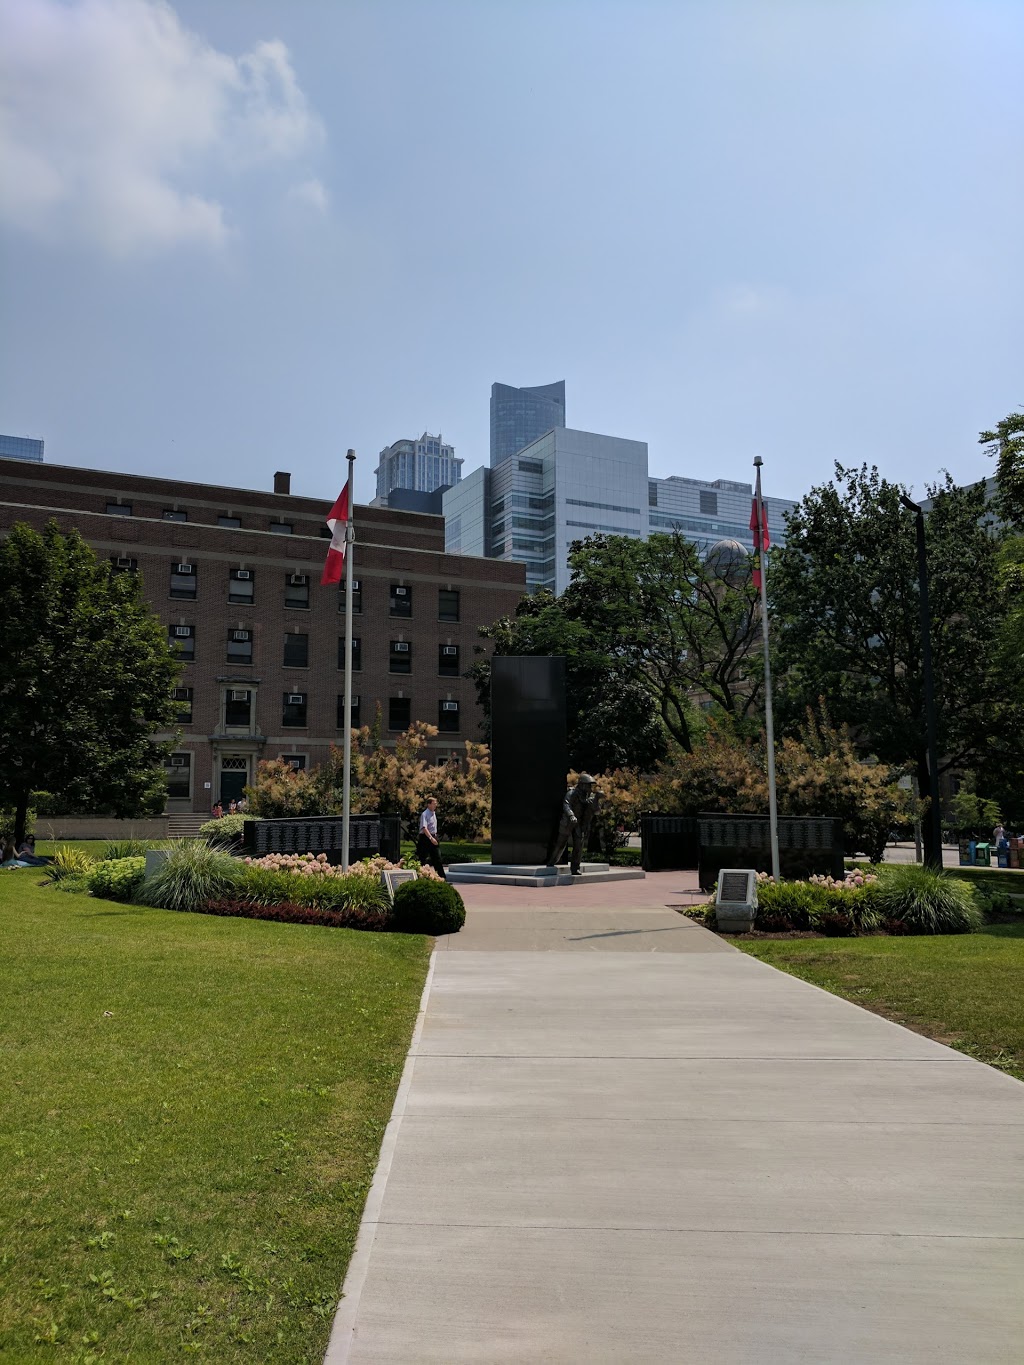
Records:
x=85, y=679
x=612, y=720
x=1006, y=444
x=846, y=623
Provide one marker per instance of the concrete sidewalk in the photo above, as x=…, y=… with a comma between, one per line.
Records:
x=619, y=1139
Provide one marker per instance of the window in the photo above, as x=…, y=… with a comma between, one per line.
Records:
x=357, y=653
x=296, y=651
x=294, y=709
x=238, y=707
x=296, y=761
x=281, y=528
x=448, y=661
x=708, y=503
x=296, y=591
x=183, y=696
x=229, y=523
x=447, y=604
x=357, y=597
x=354, y=713
x=531, y=466
x=184, y=637
x=399, y=713
x=241, y=586
x=122, y=564
x=119, y=509
x=401, y=657
x=239, y=646
x=401, y=600
x=652, y=494
x=178, y=768
x=448, y=717
x=184, y=581
x=170, y=515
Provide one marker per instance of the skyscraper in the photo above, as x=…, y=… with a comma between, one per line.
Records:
x=520, y=416
x=422, y=466
x=21, y=448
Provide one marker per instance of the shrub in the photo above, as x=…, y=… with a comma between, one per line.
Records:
x=77, y=884
x=428, y=907
x=920, y=900
x=350, y=917
x=329, y=889
x=838, y=909
x=124, y=848
x=117, y=879
x=68, y=862
x=225, y=831
x=624, y=857
x=192, y=874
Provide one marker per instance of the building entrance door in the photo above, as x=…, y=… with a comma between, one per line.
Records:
x=234, y=777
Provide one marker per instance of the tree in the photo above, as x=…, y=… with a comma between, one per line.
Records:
x=85, y=680
x=1006, y=444
x=611, y=718
x=846, y=624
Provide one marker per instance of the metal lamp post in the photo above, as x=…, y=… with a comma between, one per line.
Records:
x=934, y=811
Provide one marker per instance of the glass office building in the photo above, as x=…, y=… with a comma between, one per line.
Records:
x=707, y=512
x=424, y=466
x=520, y=416
x=21, y=448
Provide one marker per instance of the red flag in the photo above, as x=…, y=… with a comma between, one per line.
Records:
x=762, y=540
x=337, y=520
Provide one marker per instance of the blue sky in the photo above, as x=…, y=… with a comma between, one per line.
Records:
x=243, y=235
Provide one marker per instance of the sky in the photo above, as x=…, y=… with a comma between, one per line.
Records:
x=238, y=236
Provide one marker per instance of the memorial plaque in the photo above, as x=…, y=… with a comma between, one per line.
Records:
x=807, y=845
x=368, y=836
x=529, y=754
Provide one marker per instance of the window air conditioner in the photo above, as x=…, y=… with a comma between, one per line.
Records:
x=449, y=706
x=297, y=580
x=243, y=574
x=401, y=592
x=355, y=702
x=183, y=568
x=239, y=635
x=401, y=647
x=124, y=563
x=239, y=696
x=356, y=585
x=449, y=649
x=180, y=694
x=295, y=698
x=183, y=630
x=178, y=761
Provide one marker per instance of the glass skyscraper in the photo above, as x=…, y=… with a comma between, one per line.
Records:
x=424, y=465
x=21, y=448
x=520, y=416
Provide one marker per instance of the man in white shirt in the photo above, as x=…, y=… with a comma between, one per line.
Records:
x=427, y=848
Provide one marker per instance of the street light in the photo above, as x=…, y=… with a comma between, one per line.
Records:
x=934, y=812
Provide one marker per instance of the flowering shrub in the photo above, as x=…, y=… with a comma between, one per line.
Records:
x=848, y=883
x=117, y=879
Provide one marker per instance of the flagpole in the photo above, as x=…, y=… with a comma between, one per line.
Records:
x=769, y=721
x=346, y=782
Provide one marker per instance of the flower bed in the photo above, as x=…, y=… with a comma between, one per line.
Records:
x=348, y=917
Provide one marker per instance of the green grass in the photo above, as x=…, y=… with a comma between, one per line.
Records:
x=95, y=848
x=193, y=1109
x=964, y=990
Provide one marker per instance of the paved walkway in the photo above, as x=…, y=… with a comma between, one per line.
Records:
x=618, y=1139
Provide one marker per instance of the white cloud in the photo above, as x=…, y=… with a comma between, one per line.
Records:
x=120, y=126
x=312, y=192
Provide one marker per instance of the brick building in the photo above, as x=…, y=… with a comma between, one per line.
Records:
x=235, y=576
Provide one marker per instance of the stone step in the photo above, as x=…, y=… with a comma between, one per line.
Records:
x=513, y=874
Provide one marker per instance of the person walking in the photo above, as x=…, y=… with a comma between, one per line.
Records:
x=428, y=850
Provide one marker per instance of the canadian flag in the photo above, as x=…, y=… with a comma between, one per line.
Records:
x=762, y=540
x=337, y=520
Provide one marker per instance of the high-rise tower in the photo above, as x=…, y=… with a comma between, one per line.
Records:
x=520, y=416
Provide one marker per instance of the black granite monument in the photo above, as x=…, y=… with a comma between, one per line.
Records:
x=529, y=755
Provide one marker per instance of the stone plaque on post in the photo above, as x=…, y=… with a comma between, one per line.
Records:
x=529, y=755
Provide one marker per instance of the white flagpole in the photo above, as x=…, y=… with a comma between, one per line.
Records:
x=346, y=784
x=769, y=722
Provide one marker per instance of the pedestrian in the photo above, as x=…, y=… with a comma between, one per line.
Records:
x=998, y=835
x=428, y=850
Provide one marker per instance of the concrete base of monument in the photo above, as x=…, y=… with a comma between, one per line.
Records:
x=522, y=874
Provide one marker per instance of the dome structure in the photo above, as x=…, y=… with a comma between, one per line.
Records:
x=729, y=560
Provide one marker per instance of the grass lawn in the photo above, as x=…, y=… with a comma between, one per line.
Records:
x=193, y=1109
x=454, y=853
x=94, y=847
x=962, y=989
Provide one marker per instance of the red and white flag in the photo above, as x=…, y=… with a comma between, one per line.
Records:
x=337, y=520
x=762, y=540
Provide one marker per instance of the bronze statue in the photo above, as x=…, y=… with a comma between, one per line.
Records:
x=578, y=811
